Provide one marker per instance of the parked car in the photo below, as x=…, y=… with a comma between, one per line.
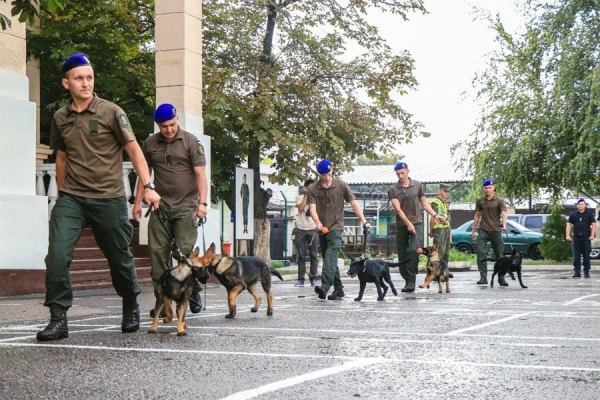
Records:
x=516, y=236
x=533, y=222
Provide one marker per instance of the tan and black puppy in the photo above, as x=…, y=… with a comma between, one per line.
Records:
x=436, y=271
x=237, y=274
x=176, y=284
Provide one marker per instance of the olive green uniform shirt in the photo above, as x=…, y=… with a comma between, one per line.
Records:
x=173, y=164
x=409, y=200
x=93, y=141
x=490, y=213
x=330, y=202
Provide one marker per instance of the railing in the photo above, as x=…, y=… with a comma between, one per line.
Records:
x=52, y=189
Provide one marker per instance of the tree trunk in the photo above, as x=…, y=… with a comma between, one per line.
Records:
x=262, y=227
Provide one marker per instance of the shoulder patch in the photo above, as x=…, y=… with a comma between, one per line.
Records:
x=123, y=120
x=199, y=147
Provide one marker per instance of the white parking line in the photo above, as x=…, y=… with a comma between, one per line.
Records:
x=296, y=380
x=568, y=303
x=498, y=321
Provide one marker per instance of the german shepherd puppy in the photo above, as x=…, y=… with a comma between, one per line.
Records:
x=175, y=284
x=237, y=274
x=372, y=270
x=508, y=265
x=436, y=271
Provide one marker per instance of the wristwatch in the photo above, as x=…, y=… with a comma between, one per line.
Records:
x=203, y=204
x=149, y=185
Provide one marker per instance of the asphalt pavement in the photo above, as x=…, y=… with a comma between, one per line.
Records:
x=476, y=342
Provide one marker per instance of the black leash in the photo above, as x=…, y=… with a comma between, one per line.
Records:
x=201, y=222
x=176, y=252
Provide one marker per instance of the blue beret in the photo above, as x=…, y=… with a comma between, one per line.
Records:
x=324, y=167
x=400, y=165
x=580, y=200
x=488, y=181
x=74, y=61
x=164, y=112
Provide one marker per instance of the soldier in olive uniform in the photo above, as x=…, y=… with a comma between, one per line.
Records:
x=326, y=199
x=89, y=135
x=488, y=223
x=178, y=161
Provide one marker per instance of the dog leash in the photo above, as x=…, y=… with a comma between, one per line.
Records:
x=176, y=252
x=201, y=222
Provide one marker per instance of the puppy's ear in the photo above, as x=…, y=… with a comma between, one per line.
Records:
x=195, y=252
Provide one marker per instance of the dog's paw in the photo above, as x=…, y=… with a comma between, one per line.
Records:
x=358, y=299
x=184, y=333
x=254, y=309
x=422, y=286
x=152, y=331
x=269, y=313
x=380, y=299
x=448, y=291
x=524, y=287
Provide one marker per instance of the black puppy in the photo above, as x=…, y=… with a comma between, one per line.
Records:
x=373, y=270
x=508, y=265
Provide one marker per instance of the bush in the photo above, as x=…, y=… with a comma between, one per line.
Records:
x=554, y=245
x=456, y=255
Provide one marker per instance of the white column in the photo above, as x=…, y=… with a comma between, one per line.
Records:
x=23, y=214
x=179, y=78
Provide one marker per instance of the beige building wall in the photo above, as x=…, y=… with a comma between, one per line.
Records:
x=23, y=215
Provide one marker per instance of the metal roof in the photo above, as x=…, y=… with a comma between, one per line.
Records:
x=385, y=175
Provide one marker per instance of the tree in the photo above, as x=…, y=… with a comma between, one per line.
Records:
x=553, y=245
x=118, y=37
x=540, y=124
x=297, y=93
x=27, y=10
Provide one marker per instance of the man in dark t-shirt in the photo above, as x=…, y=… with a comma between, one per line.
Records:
x=581, y=230
x=488, y=224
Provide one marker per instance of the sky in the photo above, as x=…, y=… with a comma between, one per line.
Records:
x=448, y=47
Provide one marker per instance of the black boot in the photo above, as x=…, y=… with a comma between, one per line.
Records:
x=57, y=328
x=405, y=286
x=410, y=287
x=196, y=303
x=337, y=294
x=131, y=315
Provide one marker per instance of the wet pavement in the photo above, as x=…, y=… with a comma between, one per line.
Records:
x=474, y=343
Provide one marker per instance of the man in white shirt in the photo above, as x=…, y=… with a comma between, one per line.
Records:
x=306, y=239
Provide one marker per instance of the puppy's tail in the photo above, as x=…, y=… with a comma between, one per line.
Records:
x=399, y=263
x=276, y=273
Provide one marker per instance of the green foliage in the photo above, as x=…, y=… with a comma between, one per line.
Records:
x=553, y=245
x=302, y=97
x=118, y=37
x=460, y=256
x=26, y=10
x=540, y=97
